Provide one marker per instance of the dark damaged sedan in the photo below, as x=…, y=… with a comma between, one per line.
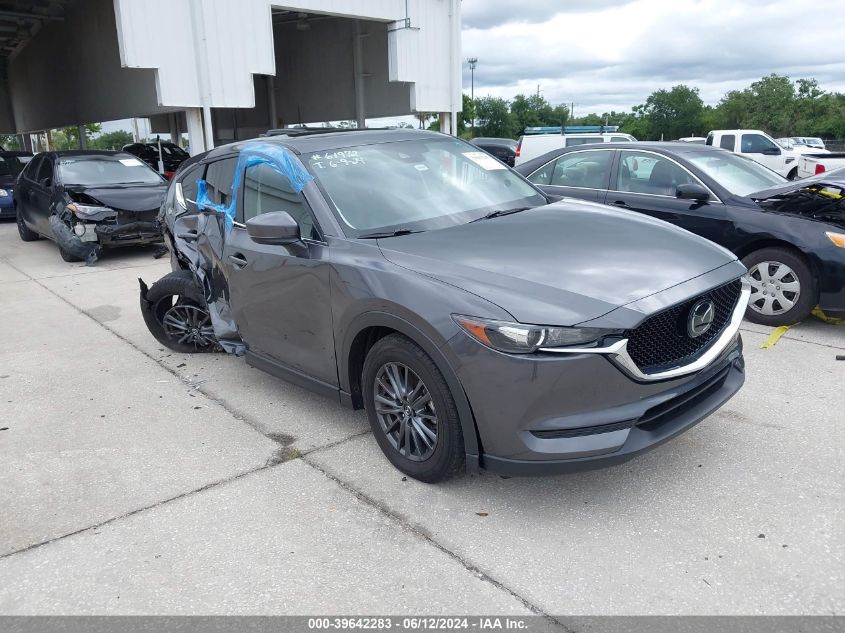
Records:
x=790, y=235
x=88, y=200
x=413, y=275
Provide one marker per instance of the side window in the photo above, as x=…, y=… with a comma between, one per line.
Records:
x=588, y=170
x=756, y=144
x=619, y=139
x=188, y=186
x=582, y=140
x=728, y=142
x=32, y=169
x=45, y=170
x=265, y=190
x=219, y=177
x=650, y=173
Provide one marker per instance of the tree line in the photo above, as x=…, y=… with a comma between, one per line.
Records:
x=775, y=104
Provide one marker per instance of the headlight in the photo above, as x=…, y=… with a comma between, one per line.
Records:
x=517, y=338
x=836, y=238
x=4, y=193
x=90, y=212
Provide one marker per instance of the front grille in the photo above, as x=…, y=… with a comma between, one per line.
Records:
x=128, y=217
x=662, y=342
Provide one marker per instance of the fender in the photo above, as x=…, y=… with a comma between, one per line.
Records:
x=383, y=319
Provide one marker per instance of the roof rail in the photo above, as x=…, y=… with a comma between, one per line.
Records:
x=306, y=131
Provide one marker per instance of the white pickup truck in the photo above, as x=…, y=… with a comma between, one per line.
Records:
x=814, y=164
x=759, y=147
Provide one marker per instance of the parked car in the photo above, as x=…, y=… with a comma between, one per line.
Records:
x=759, y=147
x=502, y=148
x=533, y=145
x=797, y=148
x=693, y=139
x=11, y=164
x=808, y=141
x=815, y=164
x=410, y=274
x=795, y=253
x=171, y=156
x=88, y=200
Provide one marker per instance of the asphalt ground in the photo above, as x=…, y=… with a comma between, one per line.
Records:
x=134, y=480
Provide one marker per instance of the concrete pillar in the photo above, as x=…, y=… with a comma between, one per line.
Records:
x=445, y=120
x=173, y=125
x=196, y=137
x=83, y=140
x=208, y=127
x=26, y=142
x=271, y=102
x=360, y=76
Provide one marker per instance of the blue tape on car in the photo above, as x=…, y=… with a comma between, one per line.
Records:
x=278, y=158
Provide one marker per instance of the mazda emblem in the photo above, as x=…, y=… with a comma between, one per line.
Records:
x=700, y=318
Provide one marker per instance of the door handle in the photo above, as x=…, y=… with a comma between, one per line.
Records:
x=620, y=203
x=238, y=260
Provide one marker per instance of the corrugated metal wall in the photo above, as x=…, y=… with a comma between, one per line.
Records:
x=207, y=51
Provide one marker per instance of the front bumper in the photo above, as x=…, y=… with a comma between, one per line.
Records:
x=830, y=264
x=630, y=438
x=129, y=233
x=547, y=414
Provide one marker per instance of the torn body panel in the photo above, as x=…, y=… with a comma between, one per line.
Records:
x=198, y=240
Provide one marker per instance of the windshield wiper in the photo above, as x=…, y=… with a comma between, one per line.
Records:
x=499, y=213
x=397, y=232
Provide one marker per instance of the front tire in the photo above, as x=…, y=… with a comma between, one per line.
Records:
x=411, y=410
x=27, y=235
x=783, y=291
x=175, y=312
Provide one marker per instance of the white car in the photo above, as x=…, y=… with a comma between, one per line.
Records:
x=809, y=141
x=798, y=148
x=533, y=145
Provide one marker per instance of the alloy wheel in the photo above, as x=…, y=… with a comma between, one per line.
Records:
x=189, y=325
x=775, y=288
x=405, y=411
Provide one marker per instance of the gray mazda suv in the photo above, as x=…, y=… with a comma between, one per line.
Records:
x=478, y=322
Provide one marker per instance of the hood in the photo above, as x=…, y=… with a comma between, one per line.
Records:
x=817, y=199
x=127, y=197
x=560, y=264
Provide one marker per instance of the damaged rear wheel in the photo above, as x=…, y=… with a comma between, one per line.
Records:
x=175, y=313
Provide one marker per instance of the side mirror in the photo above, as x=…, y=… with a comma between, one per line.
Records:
x=771, y=151
x=276, y=228
x=692, y=191
x=45, y=182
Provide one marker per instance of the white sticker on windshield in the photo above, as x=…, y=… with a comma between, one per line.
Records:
x=484, y=160
x=131, y=162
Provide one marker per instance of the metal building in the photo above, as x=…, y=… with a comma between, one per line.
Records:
x=226, y=69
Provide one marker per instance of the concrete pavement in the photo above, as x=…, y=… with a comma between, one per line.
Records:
x=141, y=481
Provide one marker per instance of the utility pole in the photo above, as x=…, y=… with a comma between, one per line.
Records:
x=472, y=61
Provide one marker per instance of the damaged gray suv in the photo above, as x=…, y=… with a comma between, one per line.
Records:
x=478, y=322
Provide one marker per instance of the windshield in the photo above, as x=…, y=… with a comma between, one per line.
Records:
x=99, y=171
x=13, y=165
x=739, y=175
x=417, y=185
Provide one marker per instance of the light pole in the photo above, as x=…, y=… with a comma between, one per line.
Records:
x=472, y=61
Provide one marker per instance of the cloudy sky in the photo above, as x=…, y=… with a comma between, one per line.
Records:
x=611, y=54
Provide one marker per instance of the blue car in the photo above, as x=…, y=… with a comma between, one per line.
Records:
x=11, y=164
